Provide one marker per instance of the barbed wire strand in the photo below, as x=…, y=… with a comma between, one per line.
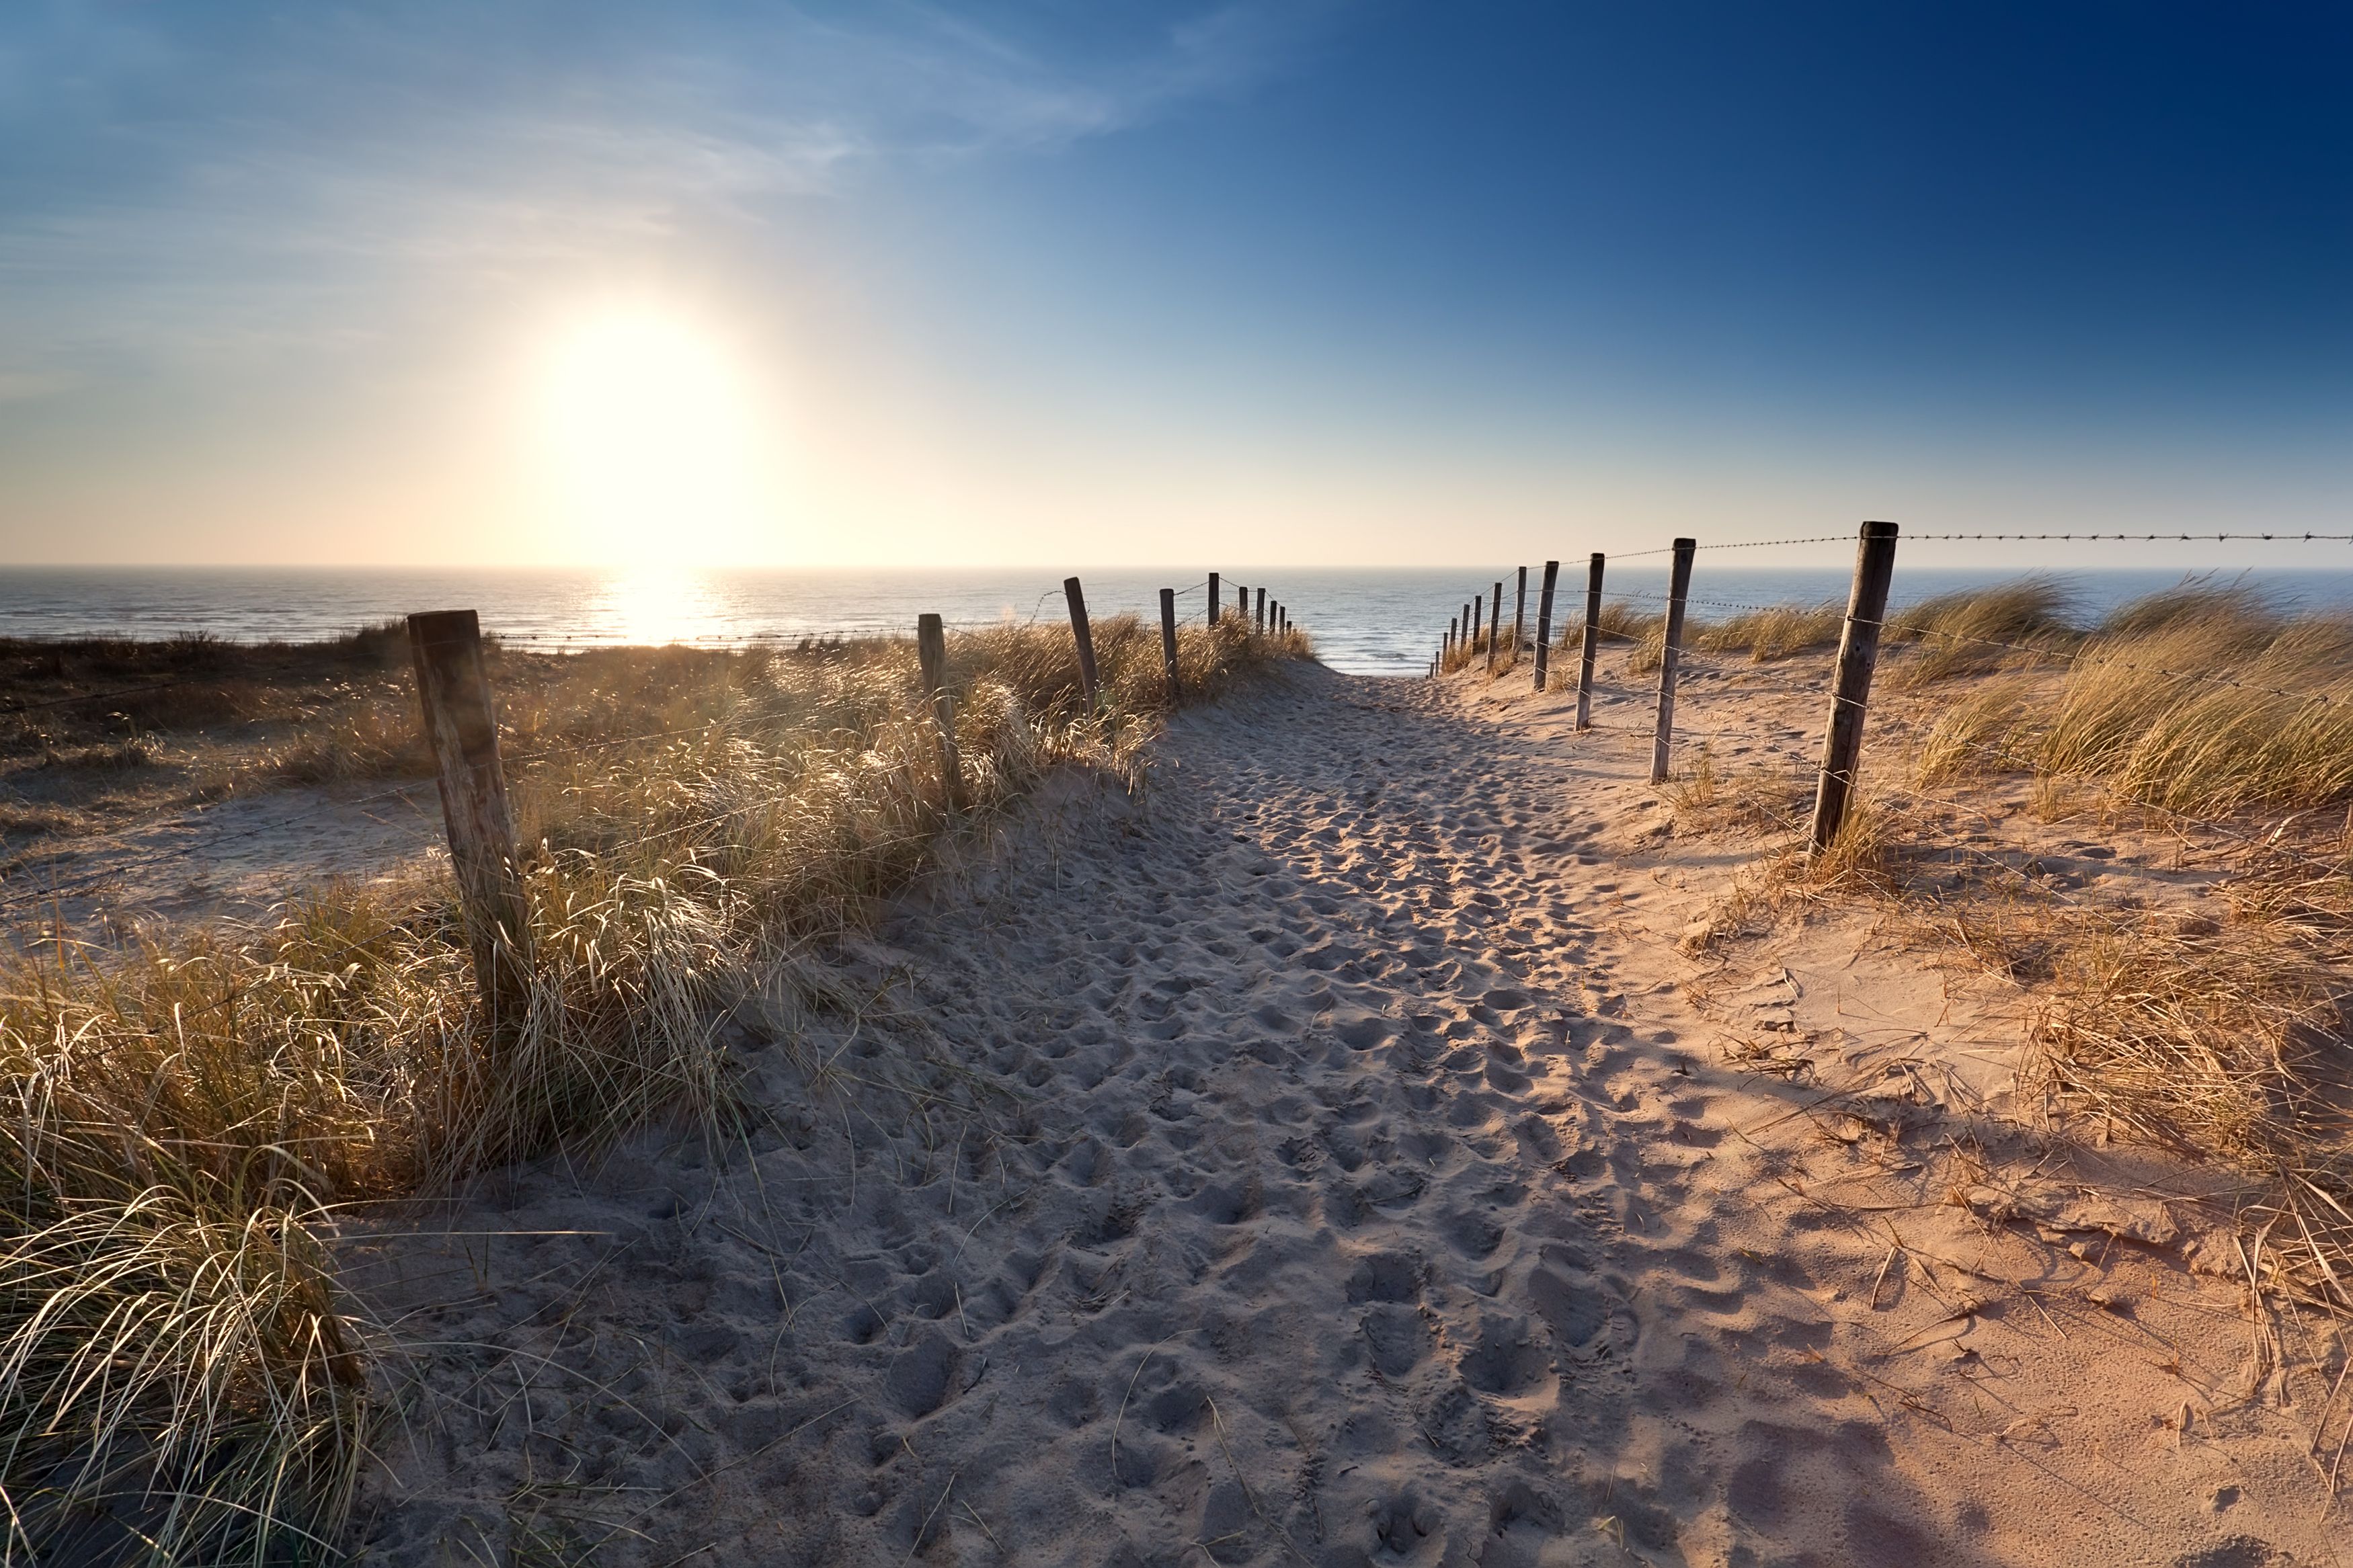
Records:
x=2103, y=658
x=1923, y=538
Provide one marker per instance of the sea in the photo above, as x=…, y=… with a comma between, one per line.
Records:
x=1367, y=622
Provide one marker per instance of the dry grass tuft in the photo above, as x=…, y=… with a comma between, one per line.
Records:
x=1642, y=632
x=2271, y=725
x=2202, y=700
x=1979, y=629
x=1979, y=732
x=179, y=1383
x=2223, y=1035
x=2223, y=1040
x=1775, y=631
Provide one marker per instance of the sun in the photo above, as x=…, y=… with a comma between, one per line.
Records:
x=651, y=441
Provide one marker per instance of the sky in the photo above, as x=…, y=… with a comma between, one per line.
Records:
x=1071, y=282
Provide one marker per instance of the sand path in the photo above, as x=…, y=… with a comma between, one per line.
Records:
x=1377, y=1196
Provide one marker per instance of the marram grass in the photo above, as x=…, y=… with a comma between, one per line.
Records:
x=180, y=1381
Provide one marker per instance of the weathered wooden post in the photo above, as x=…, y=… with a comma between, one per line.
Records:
x=1671, y=658
x=461, y=726
x=1085, y=636
x=932, y=651
x=1519, y=622
x=1592, y=642
x=1241, y=602
x=1543, y=621
x=1262, y=611
x=1168, y=643
x=1866, y=607
x=1216, y=604
x=1495, y=627
x=1446, y=650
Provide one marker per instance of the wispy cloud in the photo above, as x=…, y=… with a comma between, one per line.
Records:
x=176, y=176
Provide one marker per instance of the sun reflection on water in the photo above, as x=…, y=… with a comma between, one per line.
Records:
x=654, y=606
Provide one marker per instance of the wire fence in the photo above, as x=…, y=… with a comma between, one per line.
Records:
x=55, y=873
x=1865, y=634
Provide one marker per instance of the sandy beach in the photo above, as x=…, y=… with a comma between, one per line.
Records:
x=756, y=809
x=1338, y=1154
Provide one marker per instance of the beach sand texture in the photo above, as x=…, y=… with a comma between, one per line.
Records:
x=1342, y=1167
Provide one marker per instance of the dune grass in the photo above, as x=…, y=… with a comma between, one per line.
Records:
x=2224, y=1040
x=1977, y=630
x=2203, y=699
x=2213, y=716
x=2204, y=713
x=180, y=1381
x=95, y=732
x=1772, y=633
x=1765, y=635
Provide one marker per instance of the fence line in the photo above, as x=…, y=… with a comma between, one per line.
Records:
x=2035, y=650
x=1919, y=537
x=1864, y=621
x=462, y=730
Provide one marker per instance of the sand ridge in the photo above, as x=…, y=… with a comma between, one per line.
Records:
x=1340, y=1165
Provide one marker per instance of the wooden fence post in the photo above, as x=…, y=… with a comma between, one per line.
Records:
x=461, y=726
x=1168, y=643
x=1446, y=650
x=1543, y=622
x=1866, y=607
x=1241, y=602
x=1671, y=653
x=1085, y=638
x=1519, y=622
x=1260, y=620
x=1495, y=628
x=1215, y=605
x=932, y=650
x=1592, y=642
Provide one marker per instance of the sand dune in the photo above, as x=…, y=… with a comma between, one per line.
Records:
x=1332, y=1158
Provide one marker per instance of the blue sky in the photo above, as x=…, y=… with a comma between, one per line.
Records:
x=1070, y=282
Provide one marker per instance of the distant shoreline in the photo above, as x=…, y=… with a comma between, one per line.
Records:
x=1375, y=621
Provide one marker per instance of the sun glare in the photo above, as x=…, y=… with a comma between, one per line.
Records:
x=653, y=448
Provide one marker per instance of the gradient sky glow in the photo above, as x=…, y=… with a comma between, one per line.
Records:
x=1068, y=283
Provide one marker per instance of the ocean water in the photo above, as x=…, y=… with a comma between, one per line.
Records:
x=1364, y=622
